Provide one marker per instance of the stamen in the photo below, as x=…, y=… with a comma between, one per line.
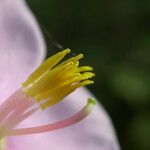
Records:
x=14, y=110
x=57, y=125
x=17, y=120
x=45, y=84
x=59, y=96
x=17, y=114
x=85, y=68
x=9, y=105
x=49, y=84
x=48, y=64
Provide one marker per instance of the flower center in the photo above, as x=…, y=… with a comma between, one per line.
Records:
x=53, y=80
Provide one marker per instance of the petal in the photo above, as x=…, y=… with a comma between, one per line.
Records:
x=93, y=133
x=21, y=45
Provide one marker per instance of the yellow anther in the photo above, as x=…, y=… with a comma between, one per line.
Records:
x=85, y=68
x=86, y=82
x=51, y=82
x=88, y=75
x=48, y=64
x=47, y=80
x=73, y=59
x=59, y=96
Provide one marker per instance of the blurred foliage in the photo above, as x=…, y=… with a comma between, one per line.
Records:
x=115, y=38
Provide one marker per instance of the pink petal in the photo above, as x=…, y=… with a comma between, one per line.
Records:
x=21, y=45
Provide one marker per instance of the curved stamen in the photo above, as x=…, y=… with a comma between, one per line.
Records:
x=57, y=125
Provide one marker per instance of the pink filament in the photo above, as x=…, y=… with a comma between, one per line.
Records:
x=19, y=107
x=16, y=108
x=54, y=126
x=9, y=105
x=22, y=117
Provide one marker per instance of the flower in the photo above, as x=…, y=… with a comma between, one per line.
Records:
x=22, y=50
x=48, y=84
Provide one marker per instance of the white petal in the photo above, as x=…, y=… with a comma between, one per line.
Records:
x=21, y=45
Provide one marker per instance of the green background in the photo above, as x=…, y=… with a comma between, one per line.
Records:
x=115, y=39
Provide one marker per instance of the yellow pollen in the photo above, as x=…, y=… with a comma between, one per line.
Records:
x=53, y=80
